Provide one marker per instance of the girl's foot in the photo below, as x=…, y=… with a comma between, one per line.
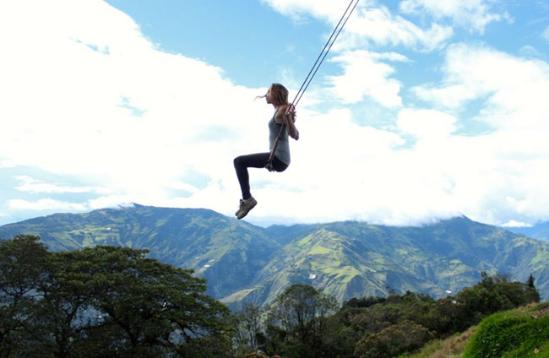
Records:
x=245, y=206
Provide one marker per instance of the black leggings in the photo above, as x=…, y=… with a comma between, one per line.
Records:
x=258, y=160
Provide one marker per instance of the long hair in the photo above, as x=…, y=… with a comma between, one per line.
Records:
x=279, y=93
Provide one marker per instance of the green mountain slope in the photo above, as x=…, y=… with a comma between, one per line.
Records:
x=224, y=251
x=352, y=259
x=243, y=262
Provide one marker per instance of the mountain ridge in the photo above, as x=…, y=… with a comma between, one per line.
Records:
x=538, y=231
x=243, y=262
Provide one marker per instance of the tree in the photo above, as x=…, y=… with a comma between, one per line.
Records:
x=149, y=307
x=249, y=326
x=298, y=317
x=23, y=266
x=530, y=281
x=394, y=340
x=104, y=301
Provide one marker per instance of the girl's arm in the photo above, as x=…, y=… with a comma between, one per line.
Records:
x=286, y=115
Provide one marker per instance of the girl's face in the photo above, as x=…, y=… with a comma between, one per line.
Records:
x=268, y=96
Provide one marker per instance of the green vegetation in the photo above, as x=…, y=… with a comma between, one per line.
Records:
x=451, y=347
x=116, y=302
x=104, y=301
x=380, y=326
x=516, y=333
x=345, y=259
x=521, y=332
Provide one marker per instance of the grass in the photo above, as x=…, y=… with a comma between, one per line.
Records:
x=319, y=250
x=522, y=332
x=451, y=347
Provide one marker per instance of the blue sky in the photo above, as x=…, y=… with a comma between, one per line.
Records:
x=424, y=109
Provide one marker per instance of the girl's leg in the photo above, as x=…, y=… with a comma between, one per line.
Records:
x=279, y=165
x=241, y=165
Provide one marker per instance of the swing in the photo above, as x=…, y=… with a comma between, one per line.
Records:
x=319, y=60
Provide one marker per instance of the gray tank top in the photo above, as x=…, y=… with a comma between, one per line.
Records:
x=283, y=148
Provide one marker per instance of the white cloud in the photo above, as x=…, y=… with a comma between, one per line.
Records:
x=380, y=27
x=69, y=89
x=31, y=185
x=350, y=172
x=6, y=164
x=506, y=168
x=110, y=201
x=66, y=87
x=45, y=205
x=364, y=75
x=332, y=10
x=472, y=14
x=513, y=89
x=370, y=23
x=426, y=124
x=514, y=223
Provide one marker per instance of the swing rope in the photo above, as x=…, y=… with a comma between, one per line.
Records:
x=312, y=72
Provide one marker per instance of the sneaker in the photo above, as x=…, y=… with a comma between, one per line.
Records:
x=239, y=207
x=245, y=207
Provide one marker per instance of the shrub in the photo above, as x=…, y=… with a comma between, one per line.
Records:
x=517, y=333
x=396, y=339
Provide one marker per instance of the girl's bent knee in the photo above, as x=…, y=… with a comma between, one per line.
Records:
x=237, y=161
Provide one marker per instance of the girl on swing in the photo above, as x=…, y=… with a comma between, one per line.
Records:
x=280, y=126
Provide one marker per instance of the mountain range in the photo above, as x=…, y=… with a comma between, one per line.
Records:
x=539, y=231
x=242, y=262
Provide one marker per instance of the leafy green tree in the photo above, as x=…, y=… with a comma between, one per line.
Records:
x=300, y=309
x=392, y=341
x=342, y=335
x=23, y=267
x=363, y=302
x=530, y=281
x=108, y=301
x=492, y=294
x=363, y=320
x=249, y=333
x=297, y=320
x=104, y=301
x=152, y=308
